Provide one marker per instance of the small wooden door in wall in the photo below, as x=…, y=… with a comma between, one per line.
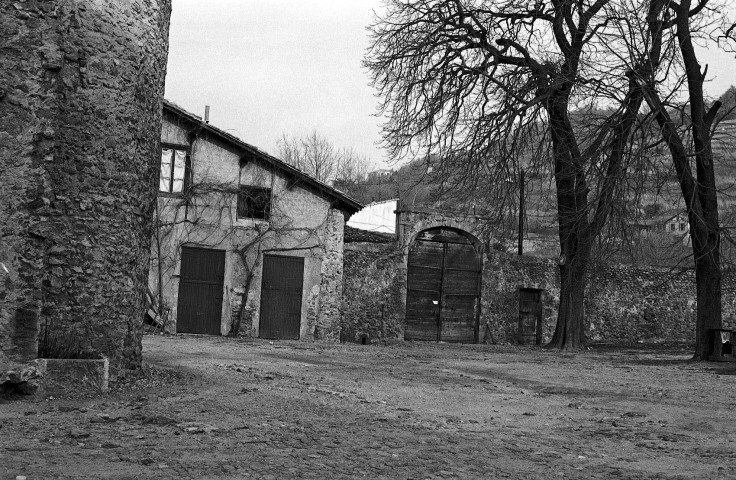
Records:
x=281, y=297
x=199, y=309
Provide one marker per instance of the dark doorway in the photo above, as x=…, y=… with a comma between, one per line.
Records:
x=530, y=316
x=281, y=297
x=443, y=287
x=201, y=278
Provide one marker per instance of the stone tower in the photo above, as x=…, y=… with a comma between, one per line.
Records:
x=81, y=83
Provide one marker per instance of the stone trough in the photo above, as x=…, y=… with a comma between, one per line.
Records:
x=53, y=377
x=67, y=377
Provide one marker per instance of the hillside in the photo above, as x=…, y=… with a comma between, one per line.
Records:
x=636, y=231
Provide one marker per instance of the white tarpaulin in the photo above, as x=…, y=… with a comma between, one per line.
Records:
x=376, y=217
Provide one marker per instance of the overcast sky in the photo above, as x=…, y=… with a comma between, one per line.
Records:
x=268, y=67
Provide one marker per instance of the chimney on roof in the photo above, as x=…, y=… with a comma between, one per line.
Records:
x=206, y=114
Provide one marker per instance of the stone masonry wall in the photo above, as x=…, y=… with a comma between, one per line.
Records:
x=373, y=292
x=81, y=83
x=331, y=278
x=411, y=222
x=623, y=303
x=503, y=274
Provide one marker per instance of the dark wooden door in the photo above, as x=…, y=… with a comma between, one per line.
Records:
x=443, y=288
x=281, y=297
x=530, y=316
x=201, y=278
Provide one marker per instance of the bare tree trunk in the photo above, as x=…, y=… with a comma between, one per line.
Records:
x=708, y=280
x=698, y=190
x=702, y=205
x=578, y=228
x=572, y=201
x=705, y=225
x=570, y=331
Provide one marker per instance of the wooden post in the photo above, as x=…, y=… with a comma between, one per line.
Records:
x=521, y=212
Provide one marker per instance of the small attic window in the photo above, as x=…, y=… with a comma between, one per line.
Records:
x=254, y=202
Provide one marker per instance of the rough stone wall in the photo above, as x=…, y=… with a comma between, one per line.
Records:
x=623, y=303
x=503, y=274
x=80, y=110
x=373, y=292
x=327, y=326
x=650, y=303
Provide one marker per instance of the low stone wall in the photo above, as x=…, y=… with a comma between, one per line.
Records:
x=503, y=274
x=374, y=282
x=623, y=303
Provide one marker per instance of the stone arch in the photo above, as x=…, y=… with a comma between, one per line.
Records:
x=411, y=223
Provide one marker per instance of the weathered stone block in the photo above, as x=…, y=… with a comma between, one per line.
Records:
x=74, y=377
x=23, y=379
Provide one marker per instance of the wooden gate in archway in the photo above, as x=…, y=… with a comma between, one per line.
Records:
x=443, y=287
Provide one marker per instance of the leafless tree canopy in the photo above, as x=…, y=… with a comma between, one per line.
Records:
x=555, y=87
x=688, y=134
x=496, y=86
x=320, y=158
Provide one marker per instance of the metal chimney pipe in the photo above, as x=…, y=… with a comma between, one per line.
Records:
x=206, y=114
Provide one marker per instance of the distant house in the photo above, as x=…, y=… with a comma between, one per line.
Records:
x=670, y=223
x=425, y=164
x=677, y=224
x=243, y=242
x=383, y=173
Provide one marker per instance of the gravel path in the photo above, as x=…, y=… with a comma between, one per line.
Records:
x=212, y=407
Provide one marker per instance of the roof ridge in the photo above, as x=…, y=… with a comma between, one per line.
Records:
x=348, y=200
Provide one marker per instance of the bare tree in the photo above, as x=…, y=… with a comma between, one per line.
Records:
x=687, y=130
x=313, y=154
x=319, y=157
x=351, y=166
x=497, y=86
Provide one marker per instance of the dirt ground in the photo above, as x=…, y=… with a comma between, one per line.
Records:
x=212, y=407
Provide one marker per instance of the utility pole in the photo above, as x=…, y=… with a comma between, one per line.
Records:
x=521, y=211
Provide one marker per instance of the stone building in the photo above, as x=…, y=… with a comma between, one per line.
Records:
x=80, y=110
x=244, y=244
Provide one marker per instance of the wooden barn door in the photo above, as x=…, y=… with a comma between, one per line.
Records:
x=443, y=288
x=281, y=297
x=199, y=309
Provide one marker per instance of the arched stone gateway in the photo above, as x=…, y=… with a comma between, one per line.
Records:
x=444, y=269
